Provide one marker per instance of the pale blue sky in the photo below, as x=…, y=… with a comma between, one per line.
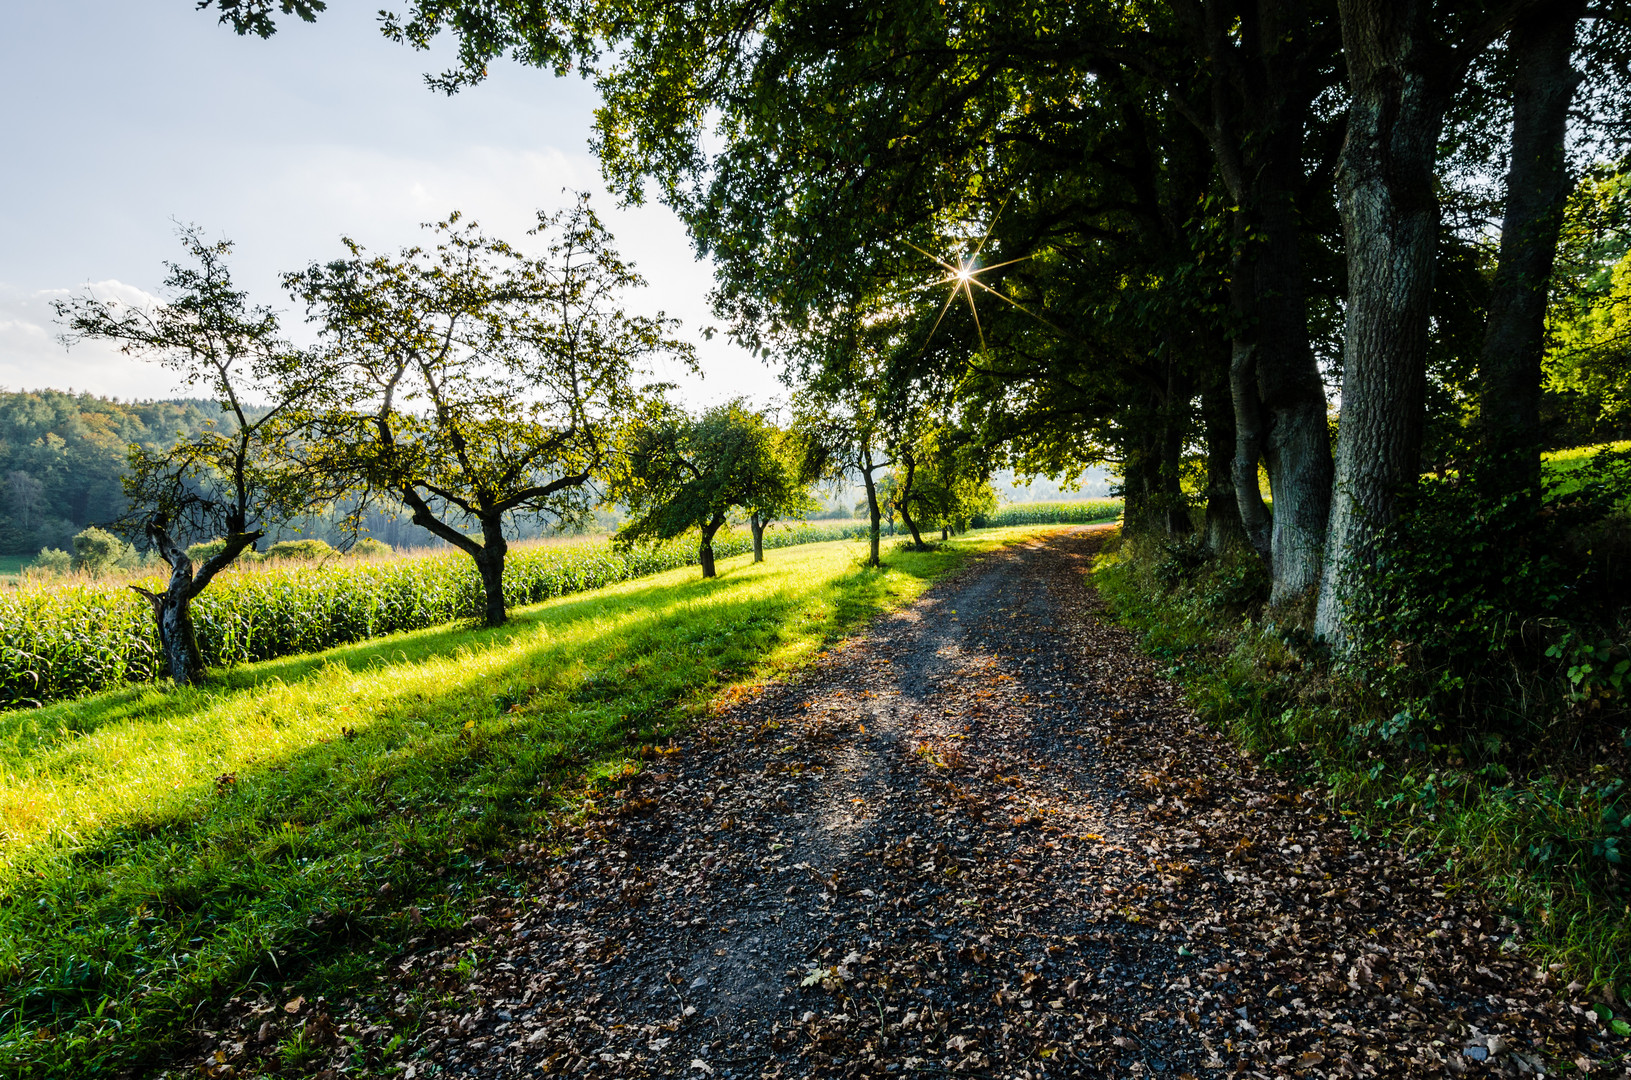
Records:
x=124, y=116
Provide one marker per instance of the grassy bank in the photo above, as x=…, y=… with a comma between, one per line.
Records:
x=1538, y=829
x=59, y=640
x=288, y=827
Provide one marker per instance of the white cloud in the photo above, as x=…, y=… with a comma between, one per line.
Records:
x=33, y=357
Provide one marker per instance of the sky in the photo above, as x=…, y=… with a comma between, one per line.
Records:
x=127, y=117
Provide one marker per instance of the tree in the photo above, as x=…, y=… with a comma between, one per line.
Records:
x=1537, y=188
x=1406, y=64
x=950, y=489
x=836, y=418
x=473, y=383
x=235, y=479
x=785, y=492
x=677, y=472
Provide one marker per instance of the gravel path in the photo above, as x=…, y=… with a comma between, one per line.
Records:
x=985, y=839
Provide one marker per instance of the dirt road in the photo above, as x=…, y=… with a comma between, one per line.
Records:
x=987, y=839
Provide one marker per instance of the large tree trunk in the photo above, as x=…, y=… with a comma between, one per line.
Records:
x=172, y=609
x=490, y=564
x=1390, y=222
x=1169, y=476
x=873, y=509
x=1537, y=186
x=1223, y=526
x=1263, y=61
x=1286, y=422
x=757, y=525
x=705, y=550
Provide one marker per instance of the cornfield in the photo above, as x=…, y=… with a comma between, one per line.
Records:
x=1051, y=513
x=63, y=640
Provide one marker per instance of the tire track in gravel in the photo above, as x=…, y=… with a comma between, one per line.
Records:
x=984, y=839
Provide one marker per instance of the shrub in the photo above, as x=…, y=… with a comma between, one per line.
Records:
x=369, y=548
x=206, y=550
x=1502, y=614
x=308, y=550
x=99, y=552
x=53, y=561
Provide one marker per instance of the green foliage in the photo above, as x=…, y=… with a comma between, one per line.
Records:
x=1503, y=614
x=291, y=828
x=370, y=548
x=235, y=475
x=53, y=561
x=1546, y=833
x=205, y=550
x=1050, y=513
x=62, y=456
x=474, y=382
x=59, y=641
x=98, y=552
x=1588, y=363
x=307, y=550
x=677, y=472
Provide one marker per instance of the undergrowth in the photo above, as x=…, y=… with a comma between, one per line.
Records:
x=291, y=825
x=1537, y=822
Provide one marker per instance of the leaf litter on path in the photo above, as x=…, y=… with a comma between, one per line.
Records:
x=995, y=845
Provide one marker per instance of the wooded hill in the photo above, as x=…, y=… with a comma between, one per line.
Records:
x=61, y=457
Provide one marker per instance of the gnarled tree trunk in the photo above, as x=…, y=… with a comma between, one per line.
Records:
x=1280, y=408
x=705, y=550
x=1537, y=186
x=172, y=609
x=490, y=564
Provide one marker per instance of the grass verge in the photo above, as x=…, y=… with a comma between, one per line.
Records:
x=1537, y=835
x=287, y=827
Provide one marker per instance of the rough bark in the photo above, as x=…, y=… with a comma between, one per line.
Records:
x=490, y=564
x=1296, y=437
x=1390, y=222
x=705, y=550
x=172, y=609
x=757, y=526
x=1248, y=416
x=1265, y=62
x=487, y=555
x=1223, y=526
x=1537, y=186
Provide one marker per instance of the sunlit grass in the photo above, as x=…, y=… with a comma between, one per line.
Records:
x=164, y=849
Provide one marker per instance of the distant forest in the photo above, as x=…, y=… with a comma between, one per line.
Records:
x=61, y=456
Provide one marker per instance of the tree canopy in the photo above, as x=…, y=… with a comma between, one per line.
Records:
x=473, y=382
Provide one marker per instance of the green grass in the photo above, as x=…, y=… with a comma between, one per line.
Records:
x=12, y=567
x=1534, y=836
x=1574, y=457
x=290, y=824
x=83, y=635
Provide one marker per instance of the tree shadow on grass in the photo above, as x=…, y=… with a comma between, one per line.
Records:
x=317, y=864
